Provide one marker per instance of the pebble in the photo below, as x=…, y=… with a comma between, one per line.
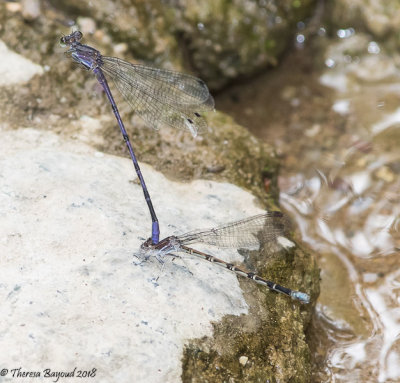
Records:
x=385, y=174
x=86, y=25
x=30, y=9
x=243, y=360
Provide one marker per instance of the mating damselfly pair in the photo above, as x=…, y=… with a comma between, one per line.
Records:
x=164, y=97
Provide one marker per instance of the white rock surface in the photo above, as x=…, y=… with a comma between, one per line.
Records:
x=14, y=68
x=72, y=294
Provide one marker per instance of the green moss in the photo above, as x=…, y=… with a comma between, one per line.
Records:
x=271, y=337
x=296, y=4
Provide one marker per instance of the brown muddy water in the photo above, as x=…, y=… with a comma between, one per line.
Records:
x=332, y=111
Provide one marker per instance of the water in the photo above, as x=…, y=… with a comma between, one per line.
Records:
x=333, y=114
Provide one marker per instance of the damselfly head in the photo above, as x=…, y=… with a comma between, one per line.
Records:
x=147, y=244
x=73, y=38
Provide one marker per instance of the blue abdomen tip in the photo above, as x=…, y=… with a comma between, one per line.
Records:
x=303, y=297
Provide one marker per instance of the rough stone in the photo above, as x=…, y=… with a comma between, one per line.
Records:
x=79, y=240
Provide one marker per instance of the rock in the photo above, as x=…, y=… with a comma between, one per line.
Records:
x=74, y=221
x=14, y=68
x=30, y=9
x=222, y=39
x=381, y=19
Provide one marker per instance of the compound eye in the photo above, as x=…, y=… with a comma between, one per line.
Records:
x=78, y=35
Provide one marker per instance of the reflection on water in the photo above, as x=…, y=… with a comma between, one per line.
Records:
x=336, y=127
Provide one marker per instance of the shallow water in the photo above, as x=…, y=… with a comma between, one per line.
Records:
x=332, y=111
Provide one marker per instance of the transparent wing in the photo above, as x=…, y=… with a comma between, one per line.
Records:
x=179, y=88
x=262, y=229
x=160, y=96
